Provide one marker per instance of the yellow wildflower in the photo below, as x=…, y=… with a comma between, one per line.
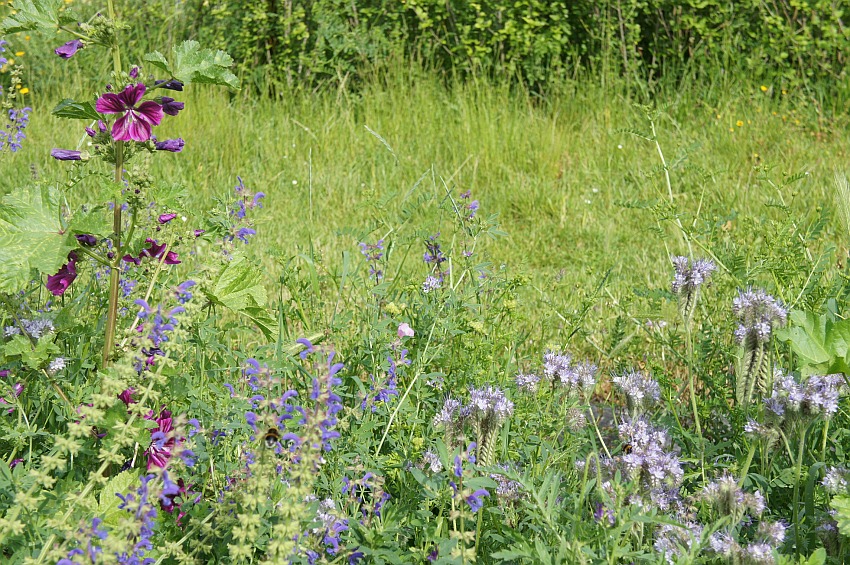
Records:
x=19, y=53
x=25, y=90
x=739, y=123
x=763, y=88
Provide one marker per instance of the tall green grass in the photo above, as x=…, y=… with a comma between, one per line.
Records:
x=556, y=169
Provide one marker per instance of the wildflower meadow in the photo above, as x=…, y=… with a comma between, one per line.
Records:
x=419, y=295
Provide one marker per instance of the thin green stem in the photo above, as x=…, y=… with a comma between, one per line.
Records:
x=746, y=468
x=693, y=395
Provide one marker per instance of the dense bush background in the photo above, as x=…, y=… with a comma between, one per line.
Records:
x=531, y=40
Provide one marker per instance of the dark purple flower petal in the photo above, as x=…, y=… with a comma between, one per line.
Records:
x=165, y=218
x=172, y=84
x=86, y=239
x=67, y=51
x=66, y=155
x=171, y=106
x=199, y=233
x=150, y=111
x=134, y=72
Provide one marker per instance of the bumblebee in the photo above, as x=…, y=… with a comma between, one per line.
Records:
x=627, y=448
x=271, y=437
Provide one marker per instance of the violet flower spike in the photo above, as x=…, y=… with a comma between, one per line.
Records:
x=136, y=119
x=68, y=50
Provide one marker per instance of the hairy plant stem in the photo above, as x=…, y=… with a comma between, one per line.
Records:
x=114, y=272
x=693, y=394
x=801, y=449
x=746, y=468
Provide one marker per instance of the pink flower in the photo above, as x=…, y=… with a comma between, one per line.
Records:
x=162, y=440
x=404, y=330
x=136, y=121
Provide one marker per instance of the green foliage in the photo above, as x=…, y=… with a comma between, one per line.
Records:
x=41, y=15
x=191, y=64
x=821, y=342
x=32, y=237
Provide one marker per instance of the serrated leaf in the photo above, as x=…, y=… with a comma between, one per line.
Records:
x=191, y=63
x=17, y=346
x=238, y=288
x=93, y=221
x=31, y=15
x=75, y=110
x=31, y=236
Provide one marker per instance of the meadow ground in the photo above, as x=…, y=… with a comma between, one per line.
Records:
x=571, y=186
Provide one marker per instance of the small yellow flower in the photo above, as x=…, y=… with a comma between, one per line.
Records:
x=26, y=38
x=731, y=129
x=739, y=123
x=25, y=90
x=19, y=53
x=763, y=88
x=718, y=116
x=10, y=62
x=784, y=91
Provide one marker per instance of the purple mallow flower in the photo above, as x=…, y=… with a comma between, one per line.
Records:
x=134, y=72
x=165, y=218
x=136, y=119
x=173, y=145
x=66, y=155
x=57, y=284
x=68, y=50
x=170, y=106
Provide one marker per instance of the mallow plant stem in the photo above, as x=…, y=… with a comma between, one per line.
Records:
x=115, y=271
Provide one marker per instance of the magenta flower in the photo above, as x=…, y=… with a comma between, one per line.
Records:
x=66, y=155
x=165, y=218
x=155, y=251
x=126, y=396
x=57, y=284
x=69, y=49
x=173, y=145
x=136, y=121
x=162, y=440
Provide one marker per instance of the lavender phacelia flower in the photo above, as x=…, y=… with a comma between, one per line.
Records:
x=641, y=390
x=527, y=382
x=687, y=280
x=758, y=314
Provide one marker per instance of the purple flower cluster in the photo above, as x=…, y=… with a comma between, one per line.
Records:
x=374, y=255
x=768, y=537
x=527, y=382
x=383, y=391
x=471, y=207
x=758, y=313
x=728, y=499
x=434, y=257
x=674, y=541
x=576, y=378
x=12, y=135
x=332, y=526
x=160, y=323
x=817, y=397
x=242, y=225
x=640, y=389
x=836, y=480
x=690, y=276
x=489, y=404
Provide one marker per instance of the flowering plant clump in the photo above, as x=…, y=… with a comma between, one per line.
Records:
x=190, y=385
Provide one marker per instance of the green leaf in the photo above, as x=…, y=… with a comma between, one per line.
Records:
x=33, y=357
x=75, y=110
x=31, y=236
x=93, y=221
x=191, y=64
x=42, y=15
x=238, y=288
x=122, y=483
x=808, y=337
x=841, y=505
